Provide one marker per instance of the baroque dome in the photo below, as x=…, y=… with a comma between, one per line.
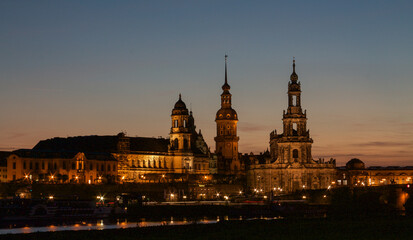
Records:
x=226, y=114
x=354, y=164
x=180, y=107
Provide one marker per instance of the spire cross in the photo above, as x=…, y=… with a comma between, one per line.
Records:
x=293, y=64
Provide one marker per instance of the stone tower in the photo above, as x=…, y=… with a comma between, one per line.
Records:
x=180, y=135
x=290, y=167
x=227, y=139
x=294, y=145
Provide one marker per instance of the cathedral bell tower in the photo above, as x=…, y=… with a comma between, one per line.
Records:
x=294, y=145
x=226, y=141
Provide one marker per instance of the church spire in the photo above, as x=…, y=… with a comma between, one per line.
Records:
x=226, y=86
x=226, y=74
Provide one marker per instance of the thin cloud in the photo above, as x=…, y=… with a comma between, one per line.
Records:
x=16, y=135
x=252, y=127
x=382, y=144
x=46, y=89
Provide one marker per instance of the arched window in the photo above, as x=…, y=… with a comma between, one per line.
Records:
x=176, y=123
x=295, y=153
x=294, y=100
x=295, y=129
x=176, y=143
x=186, y=145
x=185, y=123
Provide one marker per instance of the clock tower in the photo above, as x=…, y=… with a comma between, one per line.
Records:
x=226, y=141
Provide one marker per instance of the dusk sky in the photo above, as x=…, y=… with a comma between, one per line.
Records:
x=70, y=68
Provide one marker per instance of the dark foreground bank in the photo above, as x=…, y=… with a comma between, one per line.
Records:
x=383, y=228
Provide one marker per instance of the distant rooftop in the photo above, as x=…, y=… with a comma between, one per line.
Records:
x=102, y=144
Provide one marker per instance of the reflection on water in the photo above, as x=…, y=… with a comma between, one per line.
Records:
x=100, y=225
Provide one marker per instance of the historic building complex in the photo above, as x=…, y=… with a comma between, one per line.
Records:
x=356, y=174
x=119, y=158
x=290, y=166
x=287, y=167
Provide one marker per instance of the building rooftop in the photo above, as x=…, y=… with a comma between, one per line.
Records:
x=102, y=144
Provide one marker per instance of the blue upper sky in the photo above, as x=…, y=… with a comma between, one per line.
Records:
x=72, y=68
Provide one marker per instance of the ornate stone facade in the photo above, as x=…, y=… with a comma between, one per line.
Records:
x=355, y=174
x=289, y=165
x=33, y=165
x=117, y=158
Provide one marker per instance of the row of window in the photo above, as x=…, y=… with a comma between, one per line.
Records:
x=177, y=125
x=74, y=166
x=175, y=144
x=201, y=166
x=149, y=163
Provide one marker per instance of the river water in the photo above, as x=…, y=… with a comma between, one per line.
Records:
x=101, y=225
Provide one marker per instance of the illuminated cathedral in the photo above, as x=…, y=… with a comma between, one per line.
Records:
x=289, y=165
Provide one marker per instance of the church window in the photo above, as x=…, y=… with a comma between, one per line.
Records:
x=295, y=153
x=295, y=129
x=294, y=100
x=175, y=123
x=176, y=146
x=36, y=165
x=186, y=145
x=185, y=123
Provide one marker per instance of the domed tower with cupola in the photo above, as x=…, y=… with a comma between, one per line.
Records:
x=180, y=135
x=226, y=141
x=294, y=145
